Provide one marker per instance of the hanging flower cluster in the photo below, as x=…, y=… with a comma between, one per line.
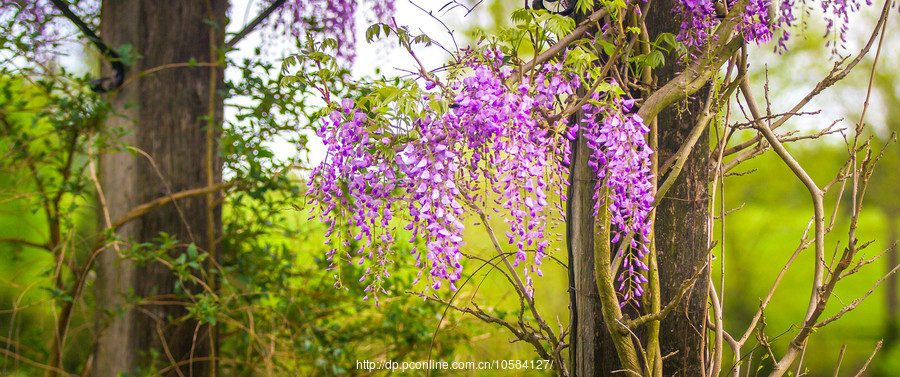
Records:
x=494, y=144
x=699, y=18
x=754, y=22
x=509, y=148
x=355, y=184
x=329, y=18
x=621, y=159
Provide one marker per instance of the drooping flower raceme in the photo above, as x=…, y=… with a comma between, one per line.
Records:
x=492, y=145
x=355, y=186
x=327, y=18
x=510, y=152
x=621, y=159
x=699, y=18
x=495, y=148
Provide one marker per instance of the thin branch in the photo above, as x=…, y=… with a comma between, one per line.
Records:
x=869, y=360
x=35, y=363
x=833, y=77
x=480, y=314
x=856, y=302
x=147, y=207
x=543, y=324
x=660, y=315
x=837, y=366
x=820, y=292
x=862, y=263
x=253, y=24
x=716, y=365
x=765, y=302
x=25, y=242
x=558, y=47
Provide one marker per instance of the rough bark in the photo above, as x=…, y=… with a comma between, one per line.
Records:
x=586, y=316
x=588, y=331
x=166, y=116
x=680, y=235
x=680, y=228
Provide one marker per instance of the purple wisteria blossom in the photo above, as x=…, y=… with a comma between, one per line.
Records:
x=327, y=19
x=492, y=145
x=354, y=185
x=494, y=149
x=839, y=11
x=699, y=18
x=621, y=159
x=754, y=25
x=38, y=25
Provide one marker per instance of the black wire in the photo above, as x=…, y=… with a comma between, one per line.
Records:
x=100, y=85
x=253, y=24
x=539, y=5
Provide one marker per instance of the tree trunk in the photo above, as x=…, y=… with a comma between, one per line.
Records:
x=585, y=312
x=166, y=115
x=681, y=217
x=590, y=348
x=680, y=235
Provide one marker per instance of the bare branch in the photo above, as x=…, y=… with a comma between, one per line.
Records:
x=558, y=47
x=869, y=360
x=837, y=366
x=856, y=302
x=246, y=30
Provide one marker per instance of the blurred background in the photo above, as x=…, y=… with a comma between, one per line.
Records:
x=281, y=313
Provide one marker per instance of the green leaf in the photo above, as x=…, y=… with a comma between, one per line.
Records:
x=655, y=59
x=520, y=15
x=666, y=39
x=608, y=48
x=126, y=54
x=584, y=6
x=422, y=39
x=373, y=32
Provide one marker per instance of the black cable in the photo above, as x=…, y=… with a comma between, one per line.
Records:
x=539, y=5
x=252, y=25
x=104, y=84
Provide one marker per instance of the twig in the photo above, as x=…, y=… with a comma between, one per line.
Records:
x=660, y=315
x=869, y=360
x=833, y=77
x=253, y=24
x=856, y=302
x=558, y=47
x=837, y=366
x=25, y=242
x=147, y=207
